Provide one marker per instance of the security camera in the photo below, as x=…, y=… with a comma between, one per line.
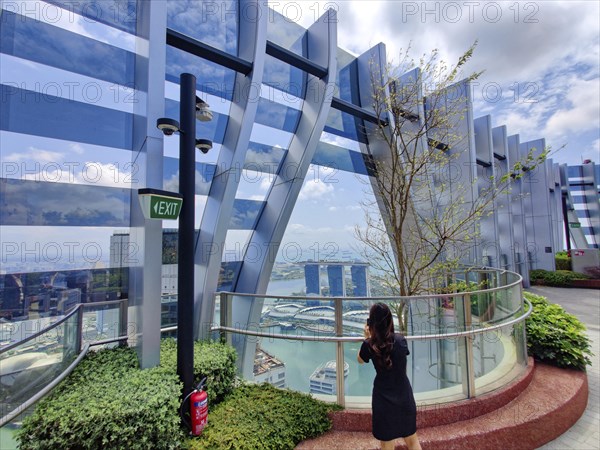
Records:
x=204, y=145
x=167, y=126
x=203, y=112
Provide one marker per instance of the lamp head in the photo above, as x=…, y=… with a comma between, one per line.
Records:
x=203, y=112
x=204, y=145
x=167, y=126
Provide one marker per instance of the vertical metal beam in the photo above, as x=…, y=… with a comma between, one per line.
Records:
x=185, y=250
x=219, y=207
x=468, y=366
x=339, y=357
x=147, y=159
x=225, y=316
x=255, y=272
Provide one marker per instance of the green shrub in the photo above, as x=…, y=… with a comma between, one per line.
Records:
x=108, y=403
x=213, y=360
x=555, y=336
x=263, y=417
x=563, y=261
x=557, y=278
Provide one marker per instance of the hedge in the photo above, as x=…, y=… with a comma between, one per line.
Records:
x=555, y=336
x=557, y=278
x=213, y=360
x=108, y=403
x=262, y=417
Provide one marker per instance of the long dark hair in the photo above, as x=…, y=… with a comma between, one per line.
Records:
x=381, y=328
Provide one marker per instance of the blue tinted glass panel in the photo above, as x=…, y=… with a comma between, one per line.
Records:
x=284, y=77
x=228, y=275
x=211, y=78
x=345, y=125
x=575, y=171
x=213, y=23
x=204, y=175
x=276, y=115
x=329, y=155
x=284, y=31
x=263, y=158
x=121, y=14
x=245, y=214
x=347, y=79
x=57, y=204
x=213, y=130
x=36, y=41
x=28, y=112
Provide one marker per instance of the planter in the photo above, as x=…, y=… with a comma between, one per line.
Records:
x=589, y=284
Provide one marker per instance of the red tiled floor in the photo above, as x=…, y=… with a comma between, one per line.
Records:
x=546, y=408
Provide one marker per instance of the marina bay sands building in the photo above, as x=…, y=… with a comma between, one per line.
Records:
x=83, y=84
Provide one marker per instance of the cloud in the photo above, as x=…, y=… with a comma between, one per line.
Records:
x=315, y=190
x=580, y=112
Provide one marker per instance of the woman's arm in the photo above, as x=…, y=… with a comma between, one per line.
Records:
x=367, y=334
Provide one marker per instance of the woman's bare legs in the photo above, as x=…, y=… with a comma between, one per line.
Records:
x=387, y=445
x=412, y=442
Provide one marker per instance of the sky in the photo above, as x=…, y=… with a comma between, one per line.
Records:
x=541, y=79
x=541, y=59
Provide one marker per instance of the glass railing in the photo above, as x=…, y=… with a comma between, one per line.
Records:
x=462, y=344
x=33, y=360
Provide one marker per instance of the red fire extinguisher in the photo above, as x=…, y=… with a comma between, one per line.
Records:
x=198, y=408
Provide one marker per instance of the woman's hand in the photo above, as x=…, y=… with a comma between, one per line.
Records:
x=367, y=332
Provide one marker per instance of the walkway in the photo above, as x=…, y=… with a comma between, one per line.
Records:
x=585, y=304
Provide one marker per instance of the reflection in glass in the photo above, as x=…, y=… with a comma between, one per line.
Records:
x=29, y=39
x=245, y=214
x=346, y=76
x=121, y=14
x=276, y=115
x=285, y=32
x=204, y=176
x=330, y=155
x=211, y=78
x=213, y=23
x=49, y=160
x=39, y=203
x=284, y=77
x=263, y=158
x=28, y=112
x=345, y=125
x=43, y=296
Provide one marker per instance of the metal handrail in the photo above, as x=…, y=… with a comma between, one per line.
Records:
x=38, y=396
x=41, y=332
x=77, y=310
x=420, y=337
x=62, y=320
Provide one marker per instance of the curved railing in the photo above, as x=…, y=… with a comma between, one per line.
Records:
x=40, y=353
x=462, y=344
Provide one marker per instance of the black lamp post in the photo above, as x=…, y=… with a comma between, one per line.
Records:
x=191, y=108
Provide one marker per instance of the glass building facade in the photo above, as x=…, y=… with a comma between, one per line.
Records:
x=82, y=85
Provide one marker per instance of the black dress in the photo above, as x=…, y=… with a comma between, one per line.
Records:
x=394, y=408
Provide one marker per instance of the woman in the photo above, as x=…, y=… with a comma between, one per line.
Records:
x=394, y=408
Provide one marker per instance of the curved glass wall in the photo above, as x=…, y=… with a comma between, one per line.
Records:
x=461, y=345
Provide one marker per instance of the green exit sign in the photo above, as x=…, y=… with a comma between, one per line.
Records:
x=574, y=225
x=157, y=204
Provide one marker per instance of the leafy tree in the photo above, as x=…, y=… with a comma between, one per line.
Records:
x=421, y=222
